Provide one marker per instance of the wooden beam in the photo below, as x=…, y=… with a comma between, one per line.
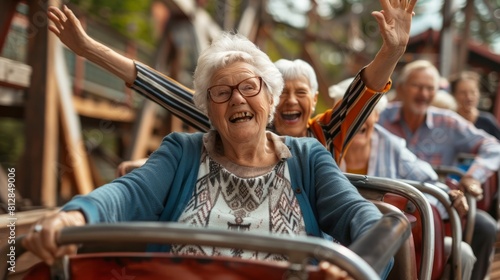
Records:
x=78, y=80
x=463, y=47
x=155, y=140
x=103, y=110
x=37, y=168
x=7, y=11
x=250, y=20
x=10, y=111
x=14, y=74
x=142, y=131
x=77, y=159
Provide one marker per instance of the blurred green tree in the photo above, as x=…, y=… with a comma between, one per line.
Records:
x=130, y=17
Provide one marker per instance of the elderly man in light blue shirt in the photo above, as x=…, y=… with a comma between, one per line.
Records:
x=438, y=136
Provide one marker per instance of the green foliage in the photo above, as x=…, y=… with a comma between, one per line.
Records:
x=130, y=17
x=11, y=142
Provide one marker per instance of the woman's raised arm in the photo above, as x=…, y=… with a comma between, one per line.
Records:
x=68, y=28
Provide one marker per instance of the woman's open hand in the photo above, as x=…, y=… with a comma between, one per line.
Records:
x=68, y=28
x=394, y=22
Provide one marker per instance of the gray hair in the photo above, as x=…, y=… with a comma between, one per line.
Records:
x=293, y=69
x=443, y=99
x=338, y=91
x=229, y=48
x=418, y=65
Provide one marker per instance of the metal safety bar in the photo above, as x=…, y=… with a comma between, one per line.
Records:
x=389, y=232
x=374, y=188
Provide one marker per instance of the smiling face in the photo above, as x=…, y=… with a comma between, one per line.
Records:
x=467, y=95
x=363, y=136
x=296, y=106
x=240, y=119
x=418, y=91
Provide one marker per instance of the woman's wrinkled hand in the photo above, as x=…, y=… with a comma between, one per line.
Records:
x=470, y=185
x=41, y=240
x=394, y=22
x=68, y=28
x=459, y=202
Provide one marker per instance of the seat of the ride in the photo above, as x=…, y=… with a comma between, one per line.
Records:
x=440, y=258
x=364, y=258
x=153, y=266
x=379, y=189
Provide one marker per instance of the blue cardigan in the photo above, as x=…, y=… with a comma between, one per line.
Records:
x=161, y=188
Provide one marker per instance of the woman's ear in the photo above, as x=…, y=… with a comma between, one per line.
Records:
x=315, y=101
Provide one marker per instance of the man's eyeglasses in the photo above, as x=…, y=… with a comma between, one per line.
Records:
x=248, y=88
x=422, y=87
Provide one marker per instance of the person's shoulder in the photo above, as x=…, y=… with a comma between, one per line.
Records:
x=303, y=144
x=390, y=113
x=184, y=138
x=440, y=111
x=185, y=135
x=301, y=140
x=389, y=136
x=384, y=132
x=391, y=108
x=487, y=116
x=446, y=114
x=306, y=150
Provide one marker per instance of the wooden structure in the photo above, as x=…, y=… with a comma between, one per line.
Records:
x=67, y=104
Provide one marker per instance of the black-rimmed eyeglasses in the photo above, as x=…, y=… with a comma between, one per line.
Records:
x=248, y=88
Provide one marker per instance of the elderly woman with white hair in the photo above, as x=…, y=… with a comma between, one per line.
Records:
x=237, y=174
